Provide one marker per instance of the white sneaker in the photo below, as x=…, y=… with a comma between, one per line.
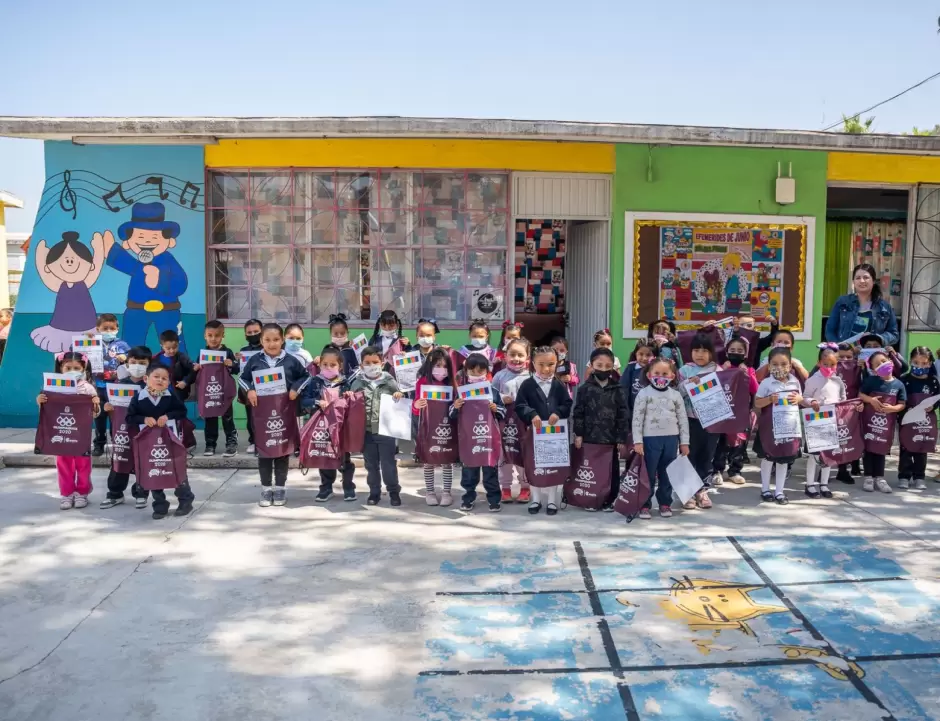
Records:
x=904, y=483
x=140, y=503
x=250, y=449
x=882, y=485
x=868, y=484
x=919, y=485
x=431, y=499
x=717, y=479
x=737, y=480
x=81, y=501
x=446, y=498
x=66, y=503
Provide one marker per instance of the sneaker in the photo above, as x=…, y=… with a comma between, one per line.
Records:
x=717, y=479
x=349, y=494
x=158, y=515
x=230, y=450
x=868, y=484
x=466, y=506
x=644, y=514
x=210, y=451
x=737, y=480
x=431, y=499
x=812, y=491
x=81, y=501
x=373, y=499
x=919, y=485
x=665, y=511
x=98, y=449
x=66, y=503
x=702, y=500
x=495, y=507
x=882, y=485
x=608, y=508
x=506, y=495
x=904, y=483
x=111, y=503
x=251, y=449
x=280, y=496
x=689, y=505
x=446, y=498
x=139, y=503
x=267, y=497
x=324, y=495
x=825, y=492
x=525, y=496
x=184, y=509
x=394, y=499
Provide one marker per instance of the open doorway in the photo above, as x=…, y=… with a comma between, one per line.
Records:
x=866, y=225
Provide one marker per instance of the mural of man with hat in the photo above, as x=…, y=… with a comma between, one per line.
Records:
x=157, y=280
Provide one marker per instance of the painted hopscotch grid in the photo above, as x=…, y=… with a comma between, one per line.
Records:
x=619, y=670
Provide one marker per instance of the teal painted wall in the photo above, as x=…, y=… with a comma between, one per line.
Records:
x=713, y=180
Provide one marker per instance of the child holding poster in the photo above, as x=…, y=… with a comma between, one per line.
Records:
x=253, y=341
x=114, y=353
x=780, y=442
x=506, y=385
x=823, y=388
x=702, y=444
x=918, y=439
x=74, y=472
x=885, y=397
x=214, y=333
x=437, y=370
x=731, y=448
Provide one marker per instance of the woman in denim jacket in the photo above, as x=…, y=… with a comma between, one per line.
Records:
x=864, y=311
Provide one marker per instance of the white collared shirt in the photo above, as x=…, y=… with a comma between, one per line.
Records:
x=545, y=386
x=272, y=362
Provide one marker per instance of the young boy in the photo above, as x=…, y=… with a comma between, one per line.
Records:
x=179, y=365
x=253, y=339
x=138, y=359
x=378, y=451
x=115, y=353
x=214, y=333
x=154, y=406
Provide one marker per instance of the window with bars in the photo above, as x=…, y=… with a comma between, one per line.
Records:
x=299, y=245
x=925, y=262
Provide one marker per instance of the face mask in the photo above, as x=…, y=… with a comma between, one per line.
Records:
x=439, y=374
x=827, y=372
x=736, y=359
x=919, y=372
x=329, y=373
x=293, y=345
x=476, y=379
x=885, y=370
x=109, y=337
x=660, y=338
x=74, y=375
x=372, y=371
x=339, y=340
x=601, y=375
x=781, y=374
x=137, y=370
x=660, y=383
x=782, y=345
x=252, y=338
x=561, y=355
x=425, y=341
x=516, y=366
x=391, y=334
x=478, y=342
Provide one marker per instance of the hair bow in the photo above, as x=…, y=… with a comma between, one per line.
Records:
x=432, y=321
x=61, y=356
x=831, y=346
x=516, y=324
x=334, y=317
x=607, y=331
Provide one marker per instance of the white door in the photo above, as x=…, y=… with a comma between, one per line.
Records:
x=587, y=267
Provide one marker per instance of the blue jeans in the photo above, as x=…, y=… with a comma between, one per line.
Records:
x=659, y=452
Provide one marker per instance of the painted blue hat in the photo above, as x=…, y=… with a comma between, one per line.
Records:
x=149, y=216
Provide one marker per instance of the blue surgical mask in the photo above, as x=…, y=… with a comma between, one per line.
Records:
x=478, y=342
x=109, y=337
x=919, y=372
x=293, y=346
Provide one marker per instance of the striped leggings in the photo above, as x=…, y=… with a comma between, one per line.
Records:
x=447, y=470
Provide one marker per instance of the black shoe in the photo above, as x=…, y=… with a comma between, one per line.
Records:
x=766, y=497
x=856, y=468
x=534, y=508
x=466, y=506
x=231, y=449
x=373, y=499
x=184, y=509
x=495, y=507
x=847, y=480
x=394, y=499
x=812, y=493
x=297, y=453
x=98, y=449
x=551, y=509
x=349, y=494
x=324, y=495
x=111, y=503
x=825, y=492
x=781, y=500
x=158, y=516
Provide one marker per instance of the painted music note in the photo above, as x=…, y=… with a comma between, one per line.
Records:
x=158, y=181
x=68, y=201
x=118, y=191
x=195, y=190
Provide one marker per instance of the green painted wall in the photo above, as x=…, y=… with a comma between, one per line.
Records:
x=713, y=180
x=931, y=340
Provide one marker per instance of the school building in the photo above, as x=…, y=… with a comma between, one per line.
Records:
x=561, y=225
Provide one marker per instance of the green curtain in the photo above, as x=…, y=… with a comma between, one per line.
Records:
x=838, y=257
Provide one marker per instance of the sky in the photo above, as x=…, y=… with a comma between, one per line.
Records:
x=735, y=63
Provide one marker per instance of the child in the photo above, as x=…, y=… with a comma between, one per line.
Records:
x=662, y=333
x=476, y=370
x=179, y=365
x=426, y=333
x=566, y=370
x=479, y=343
x=731, y=451
x=114, y=352
x=339, y=337
x=273, y=355
x=6, y=318
x=543, y=398
x=294, y=343
x=780, y=384
x=378, y=451
x=748, y=322
x=600, y=415
x=138, y=360
x=919, y=383
x=506, y=385
x=783, y=339
x=848, y=353
x=437, y=370
x=154, y=406
x=214, y=333
x=702, y=444
x=603, y=339
x=634, y=376
x=387, y=331
x=511, y=331
x=253, y=344
x=330, y=377
x=873, y=342
x=822, y=388
x=881, y=380
x=660, y=431
x=74, y=471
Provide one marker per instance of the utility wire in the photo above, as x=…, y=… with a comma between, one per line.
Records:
x=878, y=105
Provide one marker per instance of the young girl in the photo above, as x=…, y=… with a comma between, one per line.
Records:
x=660, y=431
x=600, y=415
x=730, y=451
x=702, y=444
x=848, y=371
x=273, y=355
x=543, y=399
x=294, y=344
x=920, y=383
x=479, y=343
x=891, y=398
x=783, y=339
x=252, y=345
x=511, y=331
x=74, y=471
x=873, y=342
x=603, y=339
x=437, y=370
x=339, y=337
x=387, y=330
x=634, y=375
x=782, y=387
x=824, y=387
x=566, y=369
x=662, y=333
x=506, y=384
x=330, y=377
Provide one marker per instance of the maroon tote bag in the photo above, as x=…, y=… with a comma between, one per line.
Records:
x=540, y=477
x=684, y=340
x=159, y=458
x=275, y=423
x=513, y=435
x=352, y=435
x=320, y=438
x=735, y=382
x=122, y=436
x=850, y=436
x=591, y=467
x=919, y=437
x=436, y=443
x=878, y=428
x=215, y=390
x=478, y=435
x=772, y=447
x=634, y=488
x=851, y=376
x=65, y=423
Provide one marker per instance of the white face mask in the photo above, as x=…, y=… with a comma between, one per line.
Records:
x=372, y=371
x=137, y=370
x=339, y=340
x=561, y=354
x=425, y=341
x=74, y=375
x=389, y=333
x=478, y=342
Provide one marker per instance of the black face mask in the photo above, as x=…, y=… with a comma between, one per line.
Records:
x=253, y=338
x=601, y=375
x=736, y=359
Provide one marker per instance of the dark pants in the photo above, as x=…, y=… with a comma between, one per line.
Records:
x=184, y=494
x=378, y=452
x=659, y=452
x=278, y=465
x=101, y=422
x=873, y=465
x=470, y=479
x=702, y=445
x=347, y=470
x=250, y=426
x=117, y=484
x=728, y=456
x=228, y=425
x=614, y=479
x=912, y=465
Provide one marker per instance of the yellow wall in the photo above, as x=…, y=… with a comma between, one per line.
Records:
x=879, y=168
x=532, y=155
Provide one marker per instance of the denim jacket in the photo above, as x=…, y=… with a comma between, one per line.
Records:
x=841, y=323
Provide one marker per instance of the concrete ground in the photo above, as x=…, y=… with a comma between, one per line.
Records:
x=820, y=609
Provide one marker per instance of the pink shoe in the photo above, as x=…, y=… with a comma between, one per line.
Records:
x=702, y=500
x=665, y=511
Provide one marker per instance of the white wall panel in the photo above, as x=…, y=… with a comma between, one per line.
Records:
x=587, y=265
x=561, y=196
